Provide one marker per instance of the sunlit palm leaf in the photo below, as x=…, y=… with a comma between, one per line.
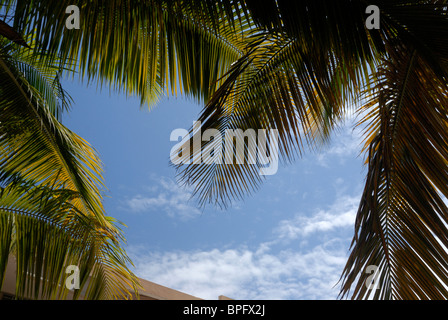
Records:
x=45, y=234
x=38, y=147
x=142, y=48
x=39, y=151
x=299, y=78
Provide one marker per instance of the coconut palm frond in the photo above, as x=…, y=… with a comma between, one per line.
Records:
x=37, y=150
x=45, y=234
x=141, y=48
x=300, y=89
x=401, y=226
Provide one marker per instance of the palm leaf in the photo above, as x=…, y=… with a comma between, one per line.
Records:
x=401, y=225
x=298, y=71
x=143, y=48
x=37, y=146
x=9, y=33
x=280, y=83
x=38, y=150
x=45, y=234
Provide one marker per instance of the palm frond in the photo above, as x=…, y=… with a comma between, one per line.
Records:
x=38, y=150
x=9, y=33
x=142, y=48
x=38, y=147
x=282, y=84
x=295, y=67
x=45, y=233
x=401, y=226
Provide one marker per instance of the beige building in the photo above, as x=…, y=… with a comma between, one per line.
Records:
x=149, y=291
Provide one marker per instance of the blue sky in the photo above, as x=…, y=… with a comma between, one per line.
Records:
x=289, y=240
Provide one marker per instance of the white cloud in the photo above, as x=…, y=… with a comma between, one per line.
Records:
x=277, y=269
x=346, y=143
x=246, y=274
x=165, y=196
x=341, y=214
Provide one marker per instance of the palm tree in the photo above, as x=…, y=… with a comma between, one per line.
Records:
x=51, y=213
x=315, y=62
x=298, y=67
x=50, y=206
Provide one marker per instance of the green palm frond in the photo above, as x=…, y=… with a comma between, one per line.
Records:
x=142, y=48
x=36, y=149
x=45, y=233
x=293, y=66
x=37, y=146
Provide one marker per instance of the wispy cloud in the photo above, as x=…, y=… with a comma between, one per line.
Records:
x=344, y=144
x=165, y=196
x=278, y=269
x=339, y=215
x=246, y=274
